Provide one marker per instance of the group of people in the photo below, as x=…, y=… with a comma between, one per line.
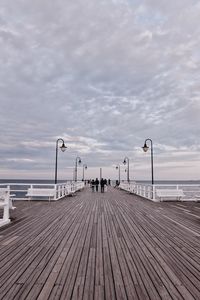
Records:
x=95, y=184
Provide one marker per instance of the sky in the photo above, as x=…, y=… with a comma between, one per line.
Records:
x=103, y=76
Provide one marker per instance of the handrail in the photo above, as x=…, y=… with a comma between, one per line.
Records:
x=148, y=191
x=61, y=189
x=5, y=204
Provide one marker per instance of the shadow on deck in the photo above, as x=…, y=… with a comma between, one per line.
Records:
x=101, y=246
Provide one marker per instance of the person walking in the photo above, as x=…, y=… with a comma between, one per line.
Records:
x=102, y=182
x=97, y=184
x=92, y=185
x=105, y=185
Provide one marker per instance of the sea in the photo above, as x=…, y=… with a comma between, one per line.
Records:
x=170, y=181
x=30, y=181
x=49, y=181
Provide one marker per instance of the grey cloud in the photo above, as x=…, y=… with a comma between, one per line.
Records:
x=104, y=74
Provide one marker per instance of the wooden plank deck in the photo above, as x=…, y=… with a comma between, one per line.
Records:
x=101, y=246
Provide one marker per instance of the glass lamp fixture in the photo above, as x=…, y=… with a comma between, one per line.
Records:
x=145, y=147
x=63, y=147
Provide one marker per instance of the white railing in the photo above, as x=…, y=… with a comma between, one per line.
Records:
x=191, y=191
x=4, y=204
x=20, y=190
x=66, y=189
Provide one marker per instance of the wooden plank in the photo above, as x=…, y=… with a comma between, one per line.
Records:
x=128, y=289
x=69, y=271
x=101, y=246
x=99, y=270
x=179, y=284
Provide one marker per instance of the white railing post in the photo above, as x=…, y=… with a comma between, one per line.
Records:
x=6, y=216
x=153, y=193
x=56, y=191
x=149, y=191
x=144, y=190
x=140, y=191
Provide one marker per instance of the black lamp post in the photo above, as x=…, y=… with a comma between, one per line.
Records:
x=63, y=148
x=145, y=149
x=84, y=168
x=118, y=168
x=78, y=161
x=126, y=160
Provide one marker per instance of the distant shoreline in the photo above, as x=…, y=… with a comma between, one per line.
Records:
x=50, y=181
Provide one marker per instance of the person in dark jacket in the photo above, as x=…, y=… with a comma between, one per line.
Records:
x=102, y=183
x=92, y=185
x=105, y=185
x=97, y=184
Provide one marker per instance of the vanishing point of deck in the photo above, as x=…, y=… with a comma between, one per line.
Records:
x=101, y=246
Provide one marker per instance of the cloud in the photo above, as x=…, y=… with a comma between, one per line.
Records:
x=103, y=75
x=20, y=160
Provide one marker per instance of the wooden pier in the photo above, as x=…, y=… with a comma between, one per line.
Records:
x=109, y=245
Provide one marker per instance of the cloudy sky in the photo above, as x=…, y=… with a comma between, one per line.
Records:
x=104, y=76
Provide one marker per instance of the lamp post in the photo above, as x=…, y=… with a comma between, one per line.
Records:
x=63, y=148
x=118, y=168
x=84, y=168
x=145, y=149
x=100, y=174
x=78, y=161
x=126, y=160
